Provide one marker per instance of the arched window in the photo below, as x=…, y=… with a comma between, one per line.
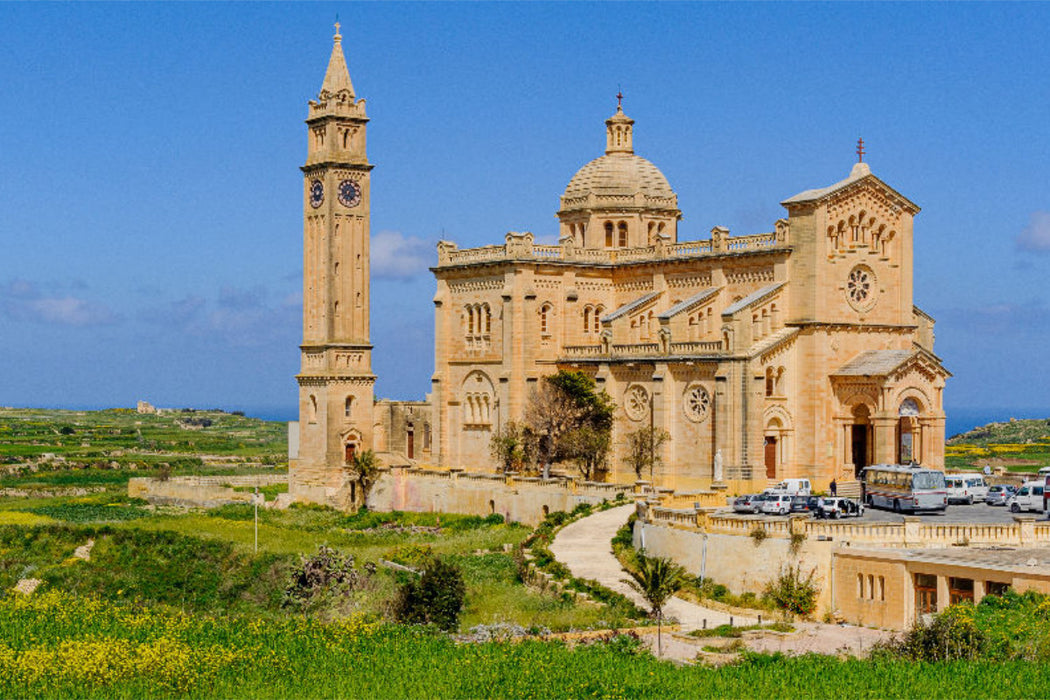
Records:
x=545, y=312
x=470, y=320
x=622, y=226
x=608, y=234
x=598, y=311
x=348, y=406
x=769, y=381
x=860, y=585
x=313, y=409
x=488, y=319
x=586, y=319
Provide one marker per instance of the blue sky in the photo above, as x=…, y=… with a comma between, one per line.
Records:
x=150, y=197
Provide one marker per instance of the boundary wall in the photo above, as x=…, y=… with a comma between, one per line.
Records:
x=745, y=553
x=200, y=491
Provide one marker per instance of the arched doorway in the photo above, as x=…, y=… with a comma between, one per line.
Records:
x=909, y=435
x=860, y=433
x=771, y=456
x=350, y=451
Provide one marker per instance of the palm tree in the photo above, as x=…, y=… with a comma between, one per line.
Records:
x=365, y=468
x=657, y=579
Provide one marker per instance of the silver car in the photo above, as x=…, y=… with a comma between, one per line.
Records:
x=999, y=494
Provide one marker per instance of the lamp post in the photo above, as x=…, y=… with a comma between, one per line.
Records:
x=255, y=500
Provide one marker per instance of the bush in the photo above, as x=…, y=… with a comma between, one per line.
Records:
x=436, y=598
x=792, y=592
x=951, y=635
x=323, y=576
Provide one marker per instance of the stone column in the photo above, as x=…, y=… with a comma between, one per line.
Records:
x=885, y=435
x=942, y=592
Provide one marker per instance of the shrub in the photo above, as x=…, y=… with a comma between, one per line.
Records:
x=793, y=592
x=435, y=598
x=323, y=576
x=759, y=535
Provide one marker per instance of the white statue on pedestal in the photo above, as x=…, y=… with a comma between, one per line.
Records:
x=718, y=466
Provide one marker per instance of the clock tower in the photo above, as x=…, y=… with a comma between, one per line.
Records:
x=335, y=378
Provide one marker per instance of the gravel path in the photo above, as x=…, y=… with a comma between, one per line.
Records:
x=584, y=547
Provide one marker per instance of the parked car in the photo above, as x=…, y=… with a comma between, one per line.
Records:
x=965, y=488
x=745, y=504
x=839, y=508
x=999, y=494
x=1028, y=497
x=804, y=504
x=777, y=504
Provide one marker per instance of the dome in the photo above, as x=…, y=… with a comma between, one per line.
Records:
x=618, y=174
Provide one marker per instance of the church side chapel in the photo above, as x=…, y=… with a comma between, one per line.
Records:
x=795, y=352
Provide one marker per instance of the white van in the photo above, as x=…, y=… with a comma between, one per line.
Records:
x=965, y=488
x=1028, y=497
x=793, y=487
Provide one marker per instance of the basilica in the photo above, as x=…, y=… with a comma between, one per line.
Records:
x=792, y=352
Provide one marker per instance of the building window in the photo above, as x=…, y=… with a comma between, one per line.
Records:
x=312, y=409
x=623, y=234
x=925, y=594
x=348, y=406
x=860, y=585
x=997, y=588
x=598, y=311
x=959, y=589
x=586, y=319
x=882, y=588
x=545, y=312
x=608, y=234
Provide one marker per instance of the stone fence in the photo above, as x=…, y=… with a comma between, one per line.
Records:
x=1025, y=531
x=200, y=491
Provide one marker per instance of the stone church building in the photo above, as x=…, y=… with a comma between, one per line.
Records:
x=792, y=352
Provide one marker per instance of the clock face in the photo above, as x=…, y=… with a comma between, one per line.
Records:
x=349, y=193
x=316, y=194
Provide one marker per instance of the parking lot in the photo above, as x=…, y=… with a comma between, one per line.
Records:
x=977, y=513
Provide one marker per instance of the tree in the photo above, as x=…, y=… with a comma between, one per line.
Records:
x=364, y=471
x=513, y=446
x=435, y=598
x=657, y=579
x=643, y=449
x=563, y=404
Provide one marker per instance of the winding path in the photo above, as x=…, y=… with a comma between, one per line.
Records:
x=584, y=547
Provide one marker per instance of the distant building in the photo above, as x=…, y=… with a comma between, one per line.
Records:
x=792, y=352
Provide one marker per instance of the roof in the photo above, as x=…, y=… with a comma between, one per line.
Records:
x=751, y=299
x=695, y=299
x=1029, y=560
x=631, y=306
x=875, y=363
x=860, y=172
x=623, y=174
x=337, y=77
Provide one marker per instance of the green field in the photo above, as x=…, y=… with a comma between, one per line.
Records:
x=1016, y=445
x=176, y=602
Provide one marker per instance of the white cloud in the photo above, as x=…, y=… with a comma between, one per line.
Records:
x=22, y=300
x=1036, y=236
x=397, y=256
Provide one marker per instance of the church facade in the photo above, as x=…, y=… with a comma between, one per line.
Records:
x=795, y=352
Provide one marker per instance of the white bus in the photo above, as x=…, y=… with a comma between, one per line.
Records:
x=904, y=488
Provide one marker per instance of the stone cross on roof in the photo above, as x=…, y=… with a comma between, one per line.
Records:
x=860, y=150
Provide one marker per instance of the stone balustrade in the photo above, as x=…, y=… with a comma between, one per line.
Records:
x=912, y=533
x=520, y=246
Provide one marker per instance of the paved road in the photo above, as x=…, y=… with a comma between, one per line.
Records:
x=584, y=547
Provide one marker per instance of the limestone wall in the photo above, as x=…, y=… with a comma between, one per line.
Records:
x=524, y=500
x=737, y=560
x=199, y=491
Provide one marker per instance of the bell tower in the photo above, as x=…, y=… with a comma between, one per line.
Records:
x=335, y=378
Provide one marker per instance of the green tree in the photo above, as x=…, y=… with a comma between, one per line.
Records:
x=657, y=579
x=435, y=598
x=513, y=447
x=364, y=471
x=561, y=411
x=643, y=449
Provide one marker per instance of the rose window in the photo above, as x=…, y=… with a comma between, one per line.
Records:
x=636, y=402
x=860, y=287
x=697, y=404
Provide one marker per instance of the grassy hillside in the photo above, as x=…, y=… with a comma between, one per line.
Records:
x=1017, y=445
x=58, y=444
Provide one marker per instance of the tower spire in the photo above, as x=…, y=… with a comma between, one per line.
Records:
x=337, y=77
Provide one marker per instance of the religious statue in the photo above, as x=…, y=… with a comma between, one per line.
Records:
x=718, y=465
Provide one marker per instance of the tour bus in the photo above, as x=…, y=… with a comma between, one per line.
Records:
x=904, y=487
